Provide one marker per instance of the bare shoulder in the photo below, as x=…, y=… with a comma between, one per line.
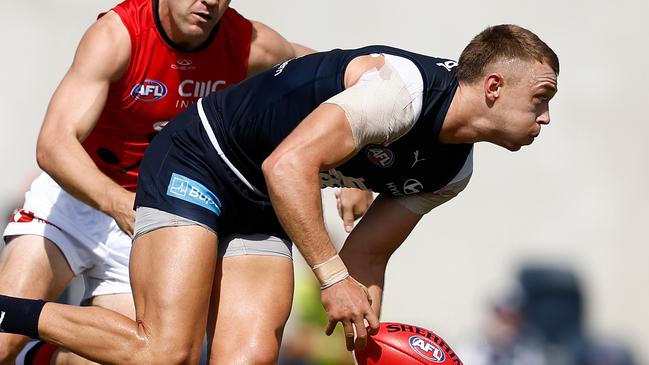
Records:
x=105, y=48
x=267, y=48
x=359, y=65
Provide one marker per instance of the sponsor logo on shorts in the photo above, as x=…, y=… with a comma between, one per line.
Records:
x=2, y=318
x=427, y=349
x=379, y=155
x=149, y=90
x=191, y=191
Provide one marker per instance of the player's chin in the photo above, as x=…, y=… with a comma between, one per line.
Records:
x=515, y=146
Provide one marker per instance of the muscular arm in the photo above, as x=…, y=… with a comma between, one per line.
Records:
x=101, y=57
x=269, y=48
x=322, y=141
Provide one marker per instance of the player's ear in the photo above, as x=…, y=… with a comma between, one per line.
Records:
x=492, y=86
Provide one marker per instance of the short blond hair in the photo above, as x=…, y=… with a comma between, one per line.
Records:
x=505, y=41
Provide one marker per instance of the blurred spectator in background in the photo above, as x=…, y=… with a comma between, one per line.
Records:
x=540, y=321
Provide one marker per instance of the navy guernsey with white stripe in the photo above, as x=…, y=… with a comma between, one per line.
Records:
x=251, y=118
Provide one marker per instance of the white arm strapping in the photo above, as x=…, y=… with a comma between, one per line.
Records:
x=384, y=104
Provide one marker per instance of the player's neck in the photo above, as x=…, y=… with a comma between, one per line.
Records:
x=463, y=121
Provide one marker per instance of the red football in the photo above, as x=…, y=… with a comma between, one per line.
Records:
x=404, y=344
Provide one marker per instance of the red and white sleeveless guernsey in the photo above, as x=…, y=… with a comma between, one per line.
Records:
x=160, y=81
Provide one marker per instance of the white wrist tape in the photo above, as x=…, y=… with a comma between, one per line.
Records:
x=330, y=272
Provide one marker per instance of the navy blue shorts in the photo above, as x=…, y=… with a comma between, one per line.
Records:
x=182, y=174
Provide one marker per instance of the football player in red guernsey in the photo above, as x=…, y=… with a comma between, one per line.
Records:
x=135, y=68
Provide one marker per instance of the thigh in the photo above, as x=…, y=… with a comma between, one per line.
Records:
x=120, y=303
x=30, y=267
x=172, y=270
x=33, y=267
x=251, y=302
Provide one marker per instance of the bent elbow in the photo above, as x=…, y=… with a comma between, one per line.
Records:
x=42, y=155
x=282, y=168
x=45, y=151
x=272, y=168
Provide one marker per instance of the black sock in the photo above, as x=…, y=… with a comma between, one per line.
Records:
x=20, y=316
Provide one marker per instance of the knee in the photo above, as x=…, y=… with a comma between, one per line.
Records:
x=164, y=355
x=10, y=346
x=252, y=353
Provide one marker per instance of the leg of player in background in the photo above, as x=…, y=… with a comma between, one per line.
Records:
x=252, y=299
x=121, y=303
x=32, y=267
x=172, y=270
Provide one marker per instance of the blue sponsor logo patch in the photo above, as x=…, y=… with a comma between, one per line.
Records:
x=191, y=191
x=149, y=90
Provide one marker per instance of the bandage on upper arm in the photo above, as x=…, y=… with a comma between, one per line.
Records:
x=382, y=106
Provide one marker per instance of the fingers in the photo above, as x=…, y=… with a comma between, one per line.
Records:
x=361, y=335
x=339, y=202
x=348, y=219
x=373, y=321
x=331, y=327
x=349, y=335
x=352, y=308
x=356, y=330
x=346, y=206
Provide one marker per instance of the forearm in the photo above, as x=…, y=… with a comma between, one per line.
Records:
x=67, y=162
x=299, y=209
x=367, y=265
x=368, y=248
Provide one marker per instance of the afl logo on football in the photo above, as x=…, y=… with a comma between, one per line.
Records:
x=149, y=90
x=427, y=349
x=379, y=155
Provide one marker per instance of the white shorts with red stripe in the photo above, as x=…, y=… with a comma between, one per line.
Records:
x=91, y=241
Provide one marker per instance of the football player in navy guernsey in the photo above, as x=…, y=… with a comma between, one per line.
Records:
x=377, y=118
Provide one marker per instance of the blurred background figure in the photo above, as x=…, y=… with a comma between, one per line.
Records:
x=305, y=342
x=540, y=321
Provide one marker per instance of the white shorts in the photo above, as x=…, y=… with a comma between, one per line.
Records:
x=91, y=241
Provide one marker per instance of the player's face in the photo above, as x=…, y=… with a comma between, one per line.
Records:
x=524, y=104
x=192, y=21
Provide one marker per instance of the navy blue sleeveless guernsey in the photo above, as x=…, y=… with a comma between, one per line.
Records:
x=251, y=118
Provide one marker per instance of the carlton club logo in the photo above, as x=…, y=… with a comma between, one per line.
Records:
x=427, y=349
x=379, y=155
x=149, y=90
